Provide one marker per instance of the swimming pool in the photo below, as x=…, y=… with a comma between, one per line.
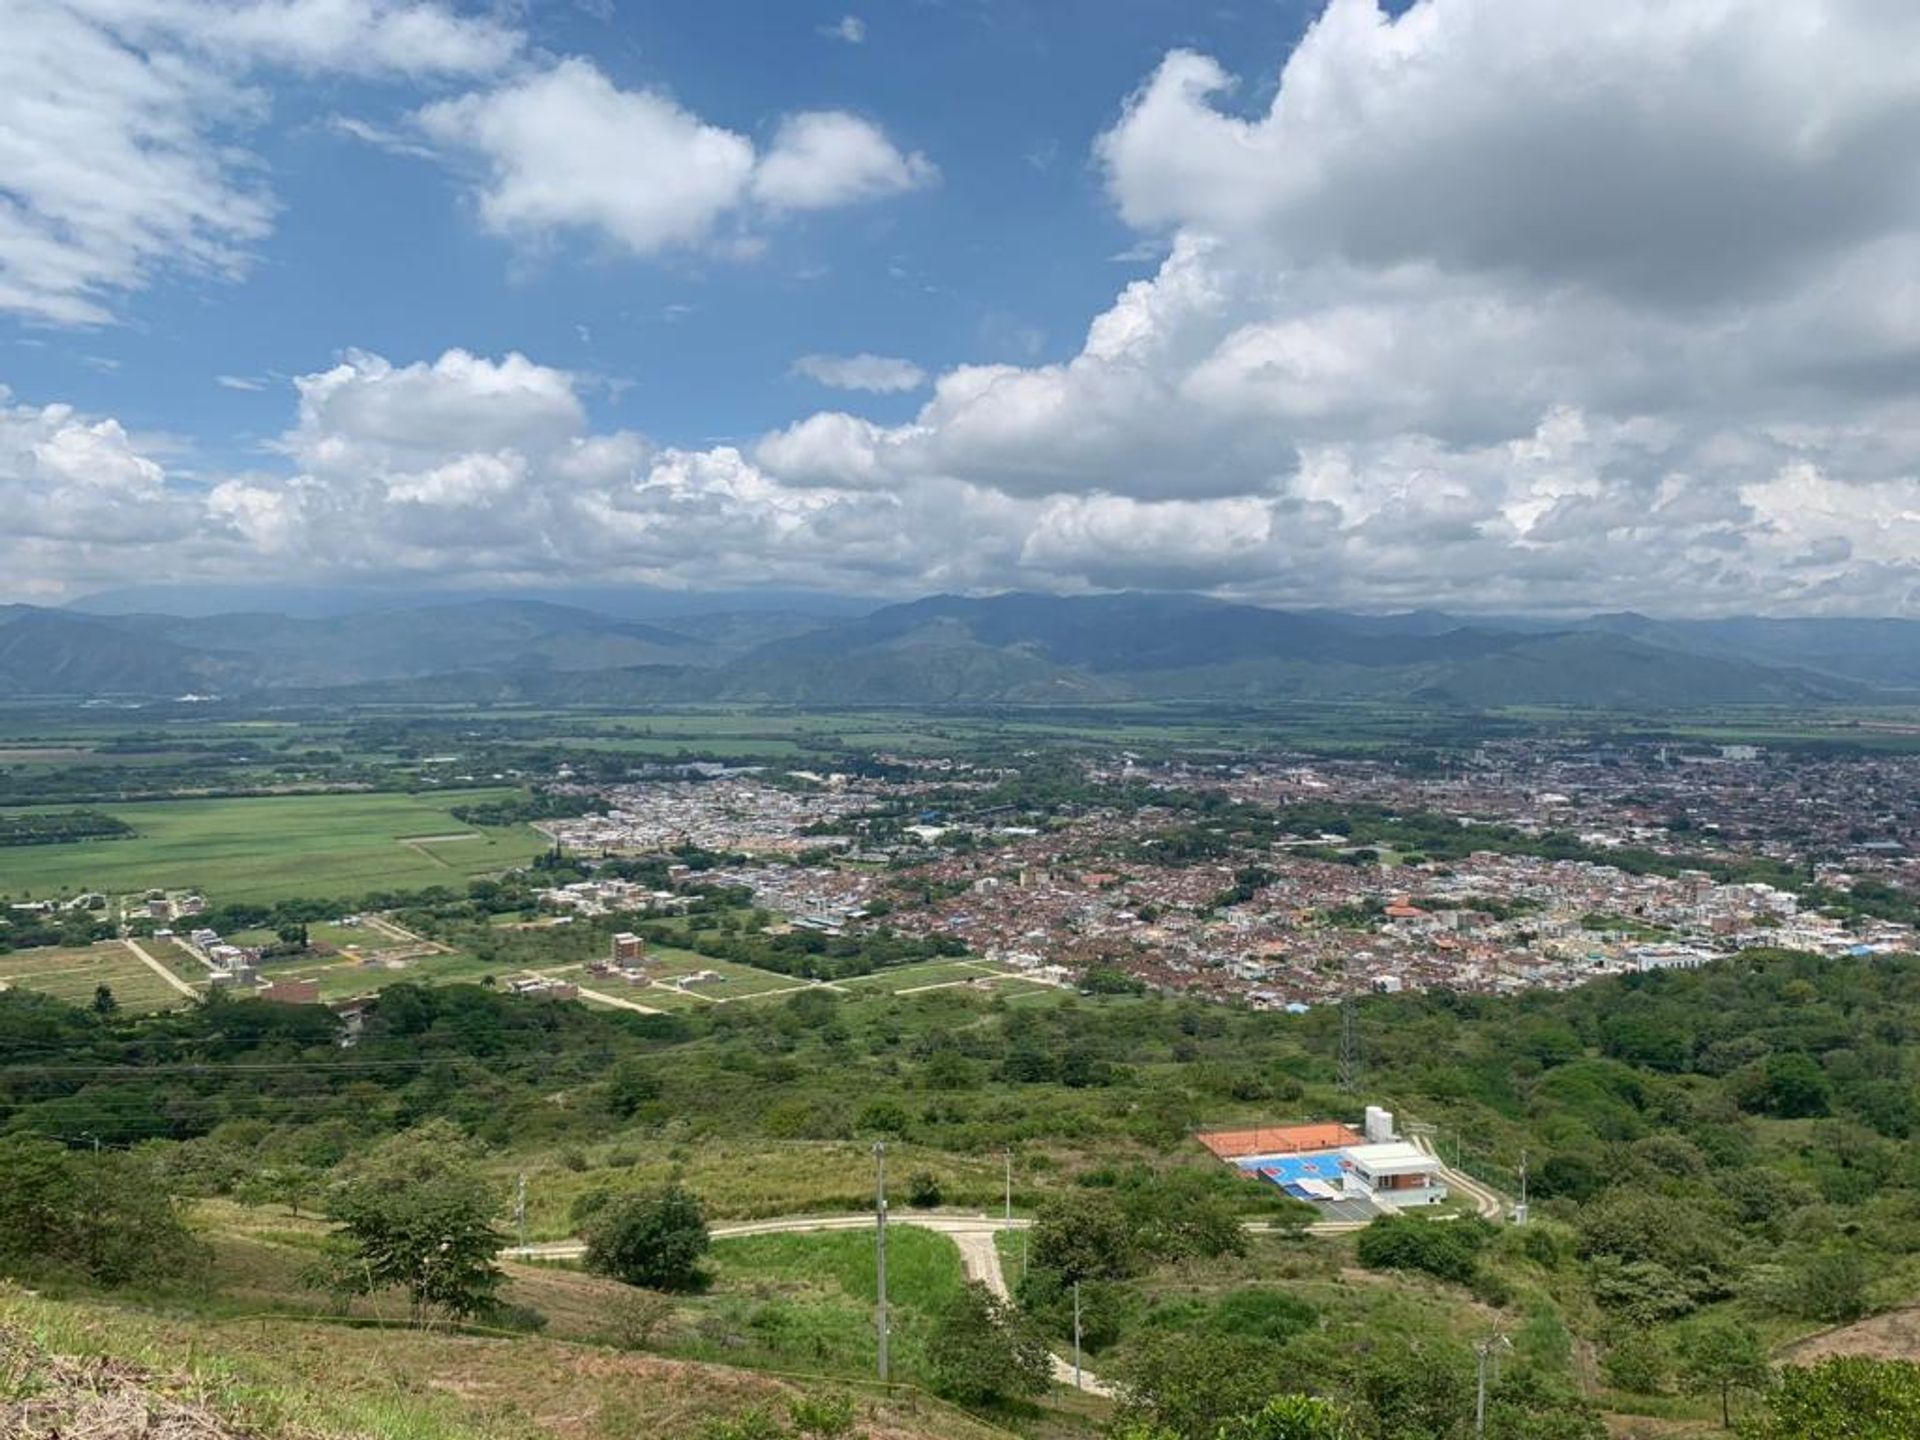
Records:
x=1284, y=1170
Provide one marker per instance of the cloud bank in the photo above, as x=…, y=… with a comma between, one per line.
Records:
x=1494, y=305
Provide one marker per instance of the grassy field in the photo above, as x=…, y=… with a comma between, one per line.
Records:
x=901, y=978
x=747, y=1180
x=806, y=1302
x=71, y=975
x=278, y=847
x=343, y=977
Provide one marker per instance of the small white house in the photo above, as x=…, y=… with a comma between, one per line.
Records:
x=1396, y=1174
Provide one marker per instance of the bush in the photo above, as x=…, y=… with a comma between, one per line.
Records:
x=1447, y=1250
x=105, y=1216
x=503, y=1315
x=923, y=1190
x=1842, y=1398
x=653, y=1238
x=1262, y=1314
x=1830, y=1285
x=983, y=1350
x=824, y=1417
x=1637, y=1360
x=635, y=1319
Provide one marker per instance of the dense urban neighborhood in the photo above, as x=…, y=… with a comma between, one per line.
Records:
x=1251, y=882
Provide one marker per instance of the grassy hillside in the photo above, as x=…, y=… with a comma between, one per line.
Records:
x=1727, y=1146
x=85, y=1368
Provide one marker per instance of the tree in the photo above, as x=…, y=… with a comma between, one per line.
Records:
x=983, y=1350
x=1178, y=1216
x=1831, y=1285
x=1190, y=1385
x=923, y=1190
x=1413, y=1391
x=1793, y=1085
x=103, y=1001
x=105, y=1215
x=1841, y=1398
x=1717, y=1356
x=417, y=1213
x=631, y=1084
x=1291, y=1417
x=1084, y=1237
x=650, y=1238
x=286, y=1183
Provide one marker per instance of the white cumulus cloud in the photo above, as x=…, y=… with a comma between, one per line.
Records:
x=565, y=149
x=881, y=374
x=825, y=158
x=122, y=124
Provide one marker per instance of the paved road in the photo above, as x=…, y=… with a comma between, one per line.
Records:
x=1490, y=1204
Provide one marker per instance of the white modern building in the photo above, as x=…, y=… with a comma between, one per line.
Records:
x=1394, y=1173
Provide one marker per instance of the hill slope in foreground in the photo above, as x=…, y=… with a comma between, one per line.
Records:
x=92, y=1372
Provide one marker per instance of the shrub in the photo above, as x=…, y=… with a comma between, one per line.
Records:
x=982, y=1350
x=1448, y=1250
x=635, y=1319
x=1263, y=1314
x=1637, y=1360
x=1842, y=1398
x=652, y=1238
x=824, y=1417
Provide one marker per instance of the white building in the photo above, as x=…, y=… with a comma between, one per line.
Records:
x=1396, y=1174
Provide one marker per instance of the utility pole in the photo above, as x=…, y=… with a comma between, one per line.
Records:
x=1483, y=1353
x=520, y=1208
x=1520, y=1215
x=880, y=1248
x=1076, y=1336
x=1009, y=1184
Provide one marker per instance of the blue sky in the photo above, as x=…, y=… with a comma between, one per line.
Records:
x=1004, y=258
x=1481, y=304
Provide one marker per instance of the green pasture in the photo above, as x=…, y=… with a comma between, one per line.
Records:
x=278, y=847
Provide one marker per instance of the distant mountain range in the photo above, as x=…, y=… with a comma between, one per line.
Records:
x=946, y=649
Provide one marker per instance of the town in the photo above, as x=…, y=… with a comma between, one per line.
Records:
x=1286, y=919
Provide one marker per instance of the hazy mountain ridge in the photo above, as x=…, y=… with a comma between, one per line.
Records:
x=1015, y=647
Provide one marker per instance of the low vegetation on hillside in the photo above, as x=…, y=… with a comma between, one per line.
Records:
x=1717, y=1161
